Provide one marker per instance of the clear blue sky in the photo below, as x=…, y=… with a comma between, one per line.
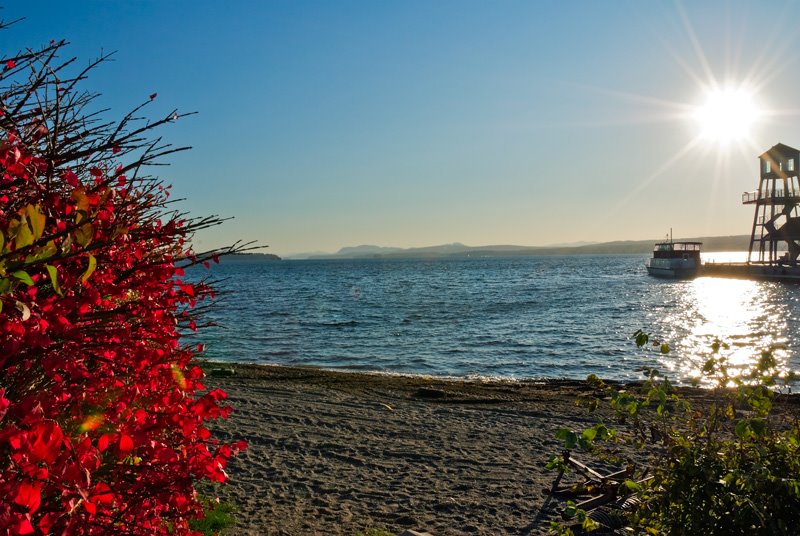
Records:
x=335, y=123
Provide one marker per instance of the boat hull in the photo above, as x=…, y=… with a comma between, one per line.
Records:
x=672, y=268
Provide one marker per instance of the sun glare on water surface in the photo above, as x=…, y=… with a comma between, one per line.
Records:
x=727, y=115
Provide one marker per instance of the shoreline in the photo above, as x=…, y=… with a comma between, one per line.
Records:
x=336, y=453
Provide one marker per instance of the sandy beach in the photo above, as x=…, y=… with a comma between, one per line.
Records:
x=338, y=453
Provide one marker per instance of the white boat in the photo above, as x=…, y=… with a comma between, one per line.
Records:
x=675, y=260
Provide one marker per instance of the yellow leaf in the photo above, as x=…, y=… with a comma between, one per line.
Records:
x=2, y=241
x=53, y=271
x=177, y=375
x=119, y=230
x=26, y=313
x=40, y=254
x=21, y=232
x=84, y=233
x=81, y=205
x=90, y=269
x=92, y=422
x=36, y=220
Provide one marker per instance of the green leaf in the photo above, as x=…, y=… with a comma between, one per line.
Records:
x=5, y=285
x=588, y=436
x=758, y=426
x=90, y=269
x=53, y=271
x=602, y=431
x=743, y=429
x=633, y=486
x=569, y=437
x=642, y=338
x=555, y=462
x=23, y=276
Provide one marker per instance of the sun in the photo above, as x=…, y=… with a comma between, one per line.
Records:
x=727, y=115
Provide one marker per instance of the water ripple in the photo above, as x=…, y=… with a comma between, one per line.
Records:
x=501, y=317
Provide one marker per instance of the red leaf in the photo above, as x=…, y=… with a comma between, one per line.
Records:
x=115, y=150
x=4, y=403
x=125, y=444
x=102, y=494
x=29, y=496
x=23, y=527
x=47, y=521
x=70, y=178
x=45, y=441
x=10, y=64
x=90, y=507
x=153, y=96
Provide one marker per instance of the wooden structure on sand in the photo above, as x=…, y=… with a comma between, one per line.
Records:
x=776, y=223
x=775, y=237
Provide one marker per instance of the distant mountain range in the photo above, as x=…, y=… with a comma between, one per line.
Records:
x=710, y=243
x=249, y=257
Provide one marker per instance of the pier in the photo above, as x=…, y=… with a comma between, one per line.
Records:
x=785, y=274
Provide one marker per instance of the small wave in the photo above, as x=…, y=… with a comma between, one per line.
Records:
x=334, y=324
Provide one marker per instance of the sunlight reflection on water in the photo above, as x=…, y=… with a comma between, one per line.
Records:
x=741, y=313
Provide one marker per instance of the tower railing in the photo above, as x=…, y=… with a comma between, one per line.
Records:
x=776, y=196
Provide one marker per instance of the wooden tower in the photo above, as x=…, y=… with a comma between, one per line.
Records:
x=775, y=239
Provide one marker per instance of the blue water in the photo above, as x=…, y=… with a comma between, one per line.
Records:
x=521, y=317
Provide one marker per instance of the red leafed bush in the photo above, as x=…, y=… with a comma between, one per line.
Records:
x=101, y=411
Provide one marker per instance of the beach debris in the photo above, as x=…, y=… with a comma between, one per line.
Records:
x=387, y=406
x=410, y=532
x=428, y=392
x=222, y=371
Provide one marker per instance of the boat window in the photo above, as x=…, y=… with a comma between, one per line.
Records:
x=767, y=167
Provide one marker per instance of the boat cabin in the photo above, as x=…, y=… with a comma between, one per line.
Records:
x=677, y=250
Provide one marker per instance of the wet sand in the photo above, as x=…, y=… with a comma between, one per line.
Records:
x=338, y=453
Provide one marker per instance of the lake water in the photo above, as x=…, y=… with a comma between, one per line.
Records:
x=520, y=317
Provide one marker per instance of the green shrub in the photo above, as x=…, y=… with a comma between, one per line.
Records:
x=218, y=516
x=727, y=464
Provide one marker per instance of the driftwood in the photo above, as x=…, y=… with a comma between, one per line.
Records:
x=604, y=497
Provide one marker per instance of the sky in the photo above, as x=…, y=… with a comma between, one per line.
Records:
x=412, y=123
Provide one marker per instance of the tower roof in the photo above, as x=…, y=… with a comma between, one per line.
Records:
x=780, y=150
